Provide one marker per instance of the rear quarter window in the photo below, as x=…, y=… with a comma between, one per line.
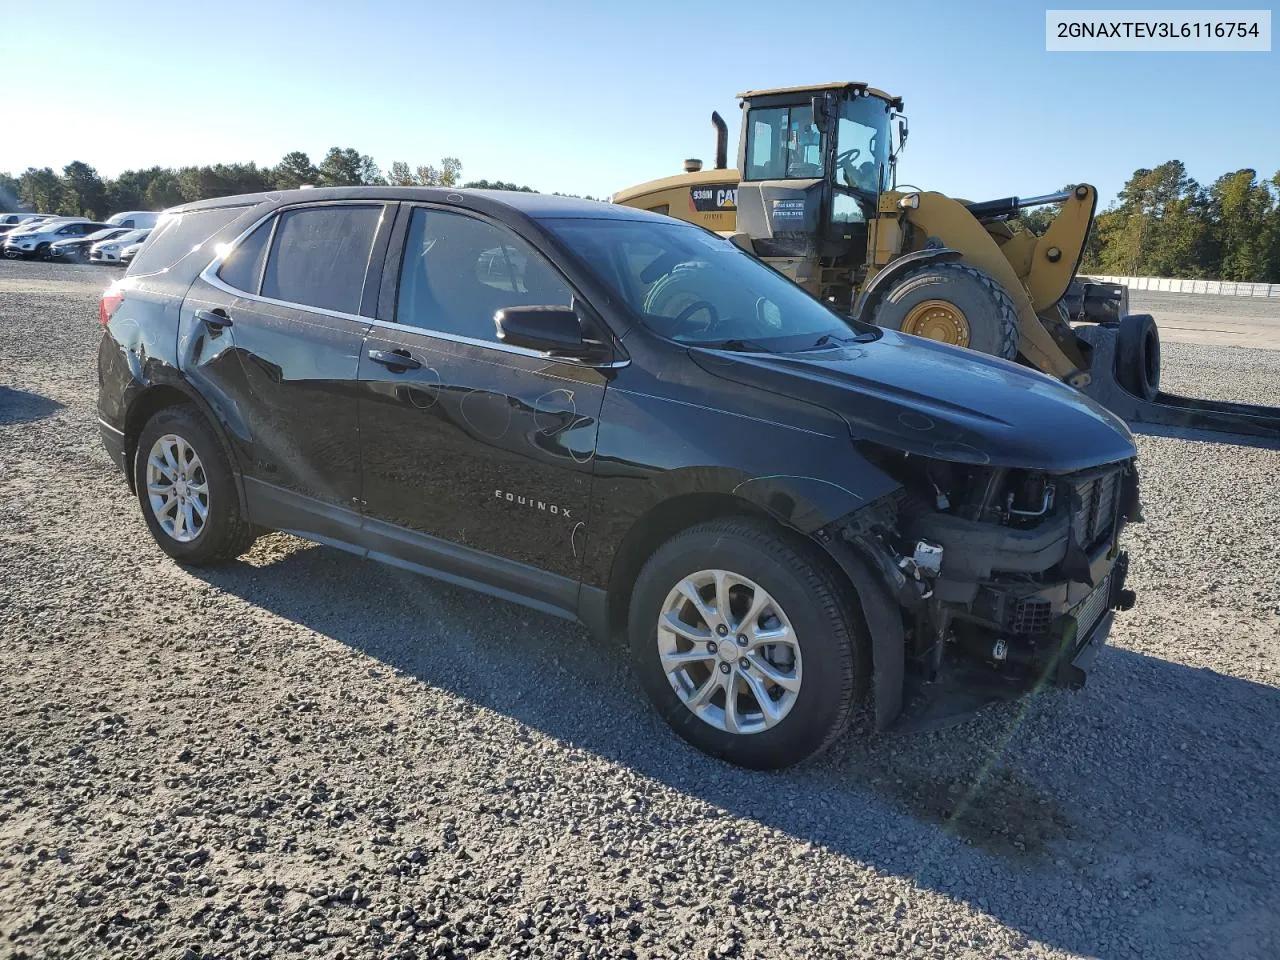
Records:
x=242, y=268
x=180, y=237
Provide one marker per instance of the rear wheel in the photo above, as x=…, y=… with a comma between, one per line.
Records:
x=42, y=252
x=954, y=303
x=187, y=490
x=1138, y=355
x=747, y=644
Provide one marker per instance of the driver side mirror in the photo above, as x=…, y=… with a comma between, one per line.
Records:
x=902, y=135
x=548, y=329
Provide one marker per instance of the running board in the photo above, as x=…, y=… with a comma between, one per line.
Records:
x=1169, y=410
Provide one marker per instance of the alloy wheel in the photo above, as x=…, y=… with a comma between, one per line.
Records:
x=177, y=488
x=729, y=652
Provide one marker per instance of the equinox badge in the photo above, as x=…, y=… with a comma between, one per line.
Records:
x=532, y=504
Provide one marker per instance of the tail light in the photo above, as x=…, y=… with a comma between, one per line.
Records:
x=109, y=304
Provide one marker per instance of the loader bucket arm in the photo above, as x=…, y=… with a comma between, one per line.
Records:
x=1057, y=253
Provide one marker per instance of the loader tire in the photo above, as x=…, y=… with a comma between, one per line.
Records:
x=987, y=315
x=1138, y=355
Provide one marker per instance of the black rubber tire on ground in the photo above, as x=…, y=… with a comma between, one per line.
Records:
x=42, y=252
x=824, y=613
x=226, y=533
x=990, y=311
x=1138, y=355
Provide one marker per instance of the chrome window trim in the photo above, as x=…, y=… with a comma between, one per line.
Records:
x=497, y=345
x=210, y=276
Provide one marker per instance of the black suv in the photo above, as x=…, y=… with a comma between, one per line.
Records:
x=616, y=417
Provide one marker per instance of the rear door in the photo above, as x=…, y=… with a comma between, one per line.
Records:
x=477, y=456
x=273, y=331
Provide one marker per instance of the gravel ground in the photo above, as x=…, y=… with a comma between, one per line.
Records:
x=304, y=754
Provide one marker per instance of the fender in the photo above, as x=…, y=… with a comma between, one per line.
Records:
x=884, y=627
x=889, y=275
x=165, y=376
x=802, y=503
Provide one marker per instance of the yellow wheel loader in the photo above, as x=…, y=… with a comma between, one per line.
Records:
x=815, y=195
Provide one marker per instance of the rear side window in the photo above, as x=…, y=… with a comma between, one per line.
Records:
x=181, y=235
x=242, y=268
x=320, y=254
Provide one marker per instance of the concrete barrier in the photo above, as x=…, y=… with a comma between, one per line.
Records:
x=1219, y=288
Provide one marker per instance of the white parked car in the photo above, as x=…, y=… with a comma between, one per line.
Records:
x=131, y=251
x=35, y=241
x=136, y=219
x=110, y=251
x=15, y=222
x=13, y=219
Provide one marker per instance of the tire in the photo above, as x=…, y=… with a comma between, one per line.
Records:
x=1138, y=355
x=804, y=594
x=42, y=252
x=224, y=533
x=991, y=313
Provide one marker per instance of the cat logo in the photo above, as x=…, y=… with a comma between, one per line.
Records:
x=713, y=199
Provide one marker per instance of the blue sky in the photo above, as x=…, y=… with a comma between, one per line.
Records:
x=590, y=97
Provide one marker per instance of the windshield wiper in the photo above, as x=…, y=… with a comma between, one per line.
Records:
x=827, y=339
x=736, y=345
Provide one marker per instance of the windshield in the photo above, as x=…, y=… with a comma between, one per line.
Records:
x=783, y=143
x=106, y=234
x=133, y=236
x=862, y=144
x=691, y=286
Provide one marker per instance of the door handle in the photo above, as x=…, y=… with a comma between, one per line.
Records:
x=214, y=319
x=393, y=359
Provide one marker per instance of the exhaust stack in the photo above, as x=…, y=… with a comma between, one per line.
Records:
x=722, y=140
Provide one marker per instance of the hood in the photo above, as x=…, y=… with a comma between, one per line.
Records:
x=940, y=401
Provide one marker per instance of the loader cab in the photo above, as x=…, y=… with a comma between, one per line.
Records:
x=814, y=161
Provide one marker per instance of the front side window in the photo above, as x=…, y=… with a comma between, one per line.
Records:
x=783, y=143
x=459, y=271
x=320, y=255
x=693, y=287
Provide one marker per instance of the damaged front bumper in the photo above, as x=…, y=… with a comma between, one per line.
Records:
x=997, y=605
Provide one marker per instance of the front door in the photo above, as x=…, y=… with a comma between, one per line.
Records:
x=272, y=336
x=477, y=456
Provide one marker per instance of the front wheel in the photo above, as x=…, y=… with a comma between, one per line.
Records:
x=748, y=644
x=956, y=304
x=187, y=490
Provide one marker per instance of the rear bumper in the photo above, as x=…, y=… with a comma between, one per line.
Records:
x=113, y=441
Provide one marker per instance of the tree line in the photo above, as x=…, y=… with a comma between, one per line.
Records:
x=80, y=191
x=1165, y=224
